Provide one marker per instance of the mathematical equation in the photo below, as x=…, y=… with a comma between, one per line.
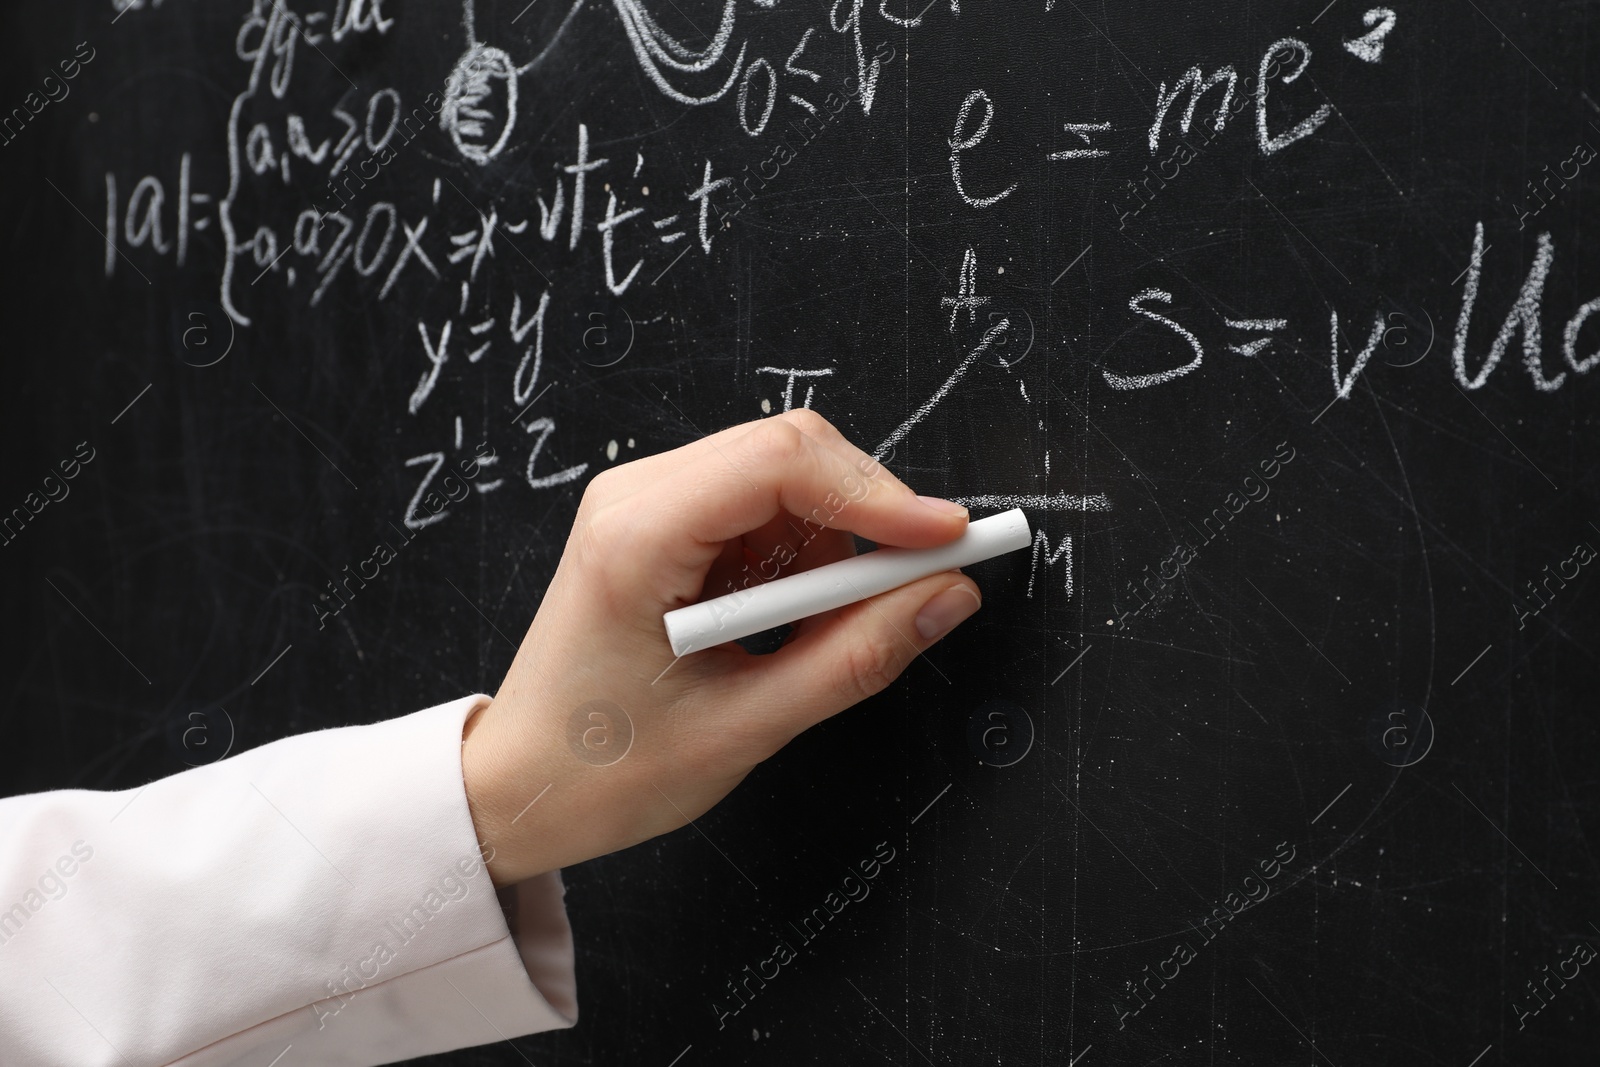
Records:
x=615, y=221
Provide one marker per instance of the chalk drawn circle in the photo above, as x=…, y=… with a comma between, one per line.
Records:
x=202, y=737
x=599, y=733
x=1400, y=734
x=480, y=103
x=1000, y=733
x=1013, y=346
x=202, y=333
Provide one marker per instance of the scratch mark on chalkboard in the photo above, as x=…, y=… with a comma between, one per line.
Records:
x=296, y=23
x=1331, y=803
x=1323, y=12
x=1462, y=554
x=132, y=402
x=903, y=235
x=302, y=433
x=1075, y=261
x=890, y=1021
x=1510, y=442
x=488, y=620
x=1089, y=423
x=1474, y=662
x=1297, y=630
x=960, y=372
x=273, y=664
x=1164, y=644
x=1513, y=44
x=554, y=38
x=1286, y=1019
x=99, y=631
x=1102, y=833
x=1324, y=411
x=110, y=244
x=518, y=417
x=1113, y=44
x=1422, y=548
x=268, y=268
x=702, y=833
x=669, y=266
x=1474, y=443
x=1366, y=148
x=1073, y=664
x=1246, y=703
x=931, y=803
x=1502, y=833
x=1297, y=229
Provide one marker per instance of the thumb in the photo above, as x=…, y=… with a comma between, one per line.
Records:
x=836, y=660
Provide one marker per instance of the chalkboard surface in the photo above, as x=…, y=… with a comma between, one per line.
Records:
x=1279, y=320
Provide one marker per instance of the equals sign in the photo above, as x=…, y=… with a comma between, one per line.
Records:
x=1254, y=348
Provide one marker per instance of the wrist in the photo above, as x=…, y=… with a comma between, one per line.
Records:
x=480, y=777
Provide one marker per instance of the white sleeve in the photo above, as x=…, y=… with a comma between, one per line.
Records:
x=316, y=901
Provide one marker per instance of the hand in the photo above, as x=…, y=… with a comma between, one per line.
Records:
x=617, y=740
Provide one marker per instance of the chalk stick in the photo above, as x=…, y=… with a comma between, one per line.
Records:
x=785, y=600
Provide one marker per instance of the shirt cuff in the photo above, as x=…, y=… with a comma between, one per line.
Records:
x=514, y=972
x=318, y=900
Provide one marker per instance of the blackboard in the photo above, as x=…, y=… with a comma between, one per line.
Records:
x=1277, y=748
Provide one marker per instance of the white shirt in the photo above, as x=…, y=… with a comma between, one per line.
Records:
x=320, y=900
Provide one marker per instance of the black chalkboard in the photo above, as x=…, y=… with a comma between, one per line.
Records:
x=1280, y=746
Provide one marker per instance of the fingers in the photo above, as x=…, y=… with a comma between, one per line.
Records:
x=728, y=571
x=787, y=545
x=656, y=530
x=776, y=550
x=742, y=484
x=629, y=478
x=814, y=425
x=838, y=660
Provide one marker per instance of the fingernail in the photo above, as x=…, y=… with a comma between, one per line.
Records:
x=946, y=611
x=943, y=507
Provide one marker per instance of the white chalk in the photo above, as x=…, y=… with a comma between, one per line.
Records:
x=762, y=607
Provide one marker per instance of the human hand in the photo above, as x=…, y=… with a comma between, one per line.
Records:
x=598, y=739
